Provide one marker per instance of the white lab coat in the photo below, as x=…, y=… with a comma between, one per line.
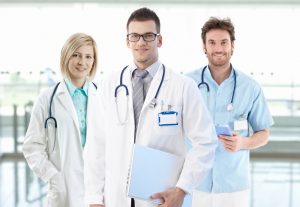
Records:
x=108, y=153
x=61, y=167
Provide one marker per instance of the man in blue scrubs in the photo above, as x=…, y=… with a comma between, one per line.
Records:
x=236, y=100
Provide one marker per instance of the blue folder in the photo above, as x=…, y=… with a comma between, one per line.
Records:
x=153, y=171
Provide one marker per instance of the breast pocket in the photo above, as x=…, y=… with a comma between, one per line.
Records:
x=168, y=121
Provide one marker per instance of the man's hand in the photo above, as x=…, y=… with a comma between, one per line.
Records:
x=173, y=197
x=232, y=143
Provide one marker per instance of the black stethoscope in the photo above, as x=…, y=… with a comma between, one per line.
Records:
x=230, y=105
x=122, y=85
x=52, y=118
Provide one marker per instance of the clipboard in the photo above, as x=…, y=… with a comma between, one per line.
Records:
x=153, y=171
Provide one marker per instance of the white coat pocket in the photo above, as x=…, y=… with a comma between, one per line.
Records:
x=57, y=196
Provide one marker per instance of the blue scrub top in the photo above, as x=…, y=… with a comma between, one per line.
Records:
x=230, y=172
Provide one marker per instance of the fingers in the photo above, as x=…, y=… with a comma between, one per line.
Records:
x=234, y=133
x=159, y=197
x=229, y=144
x=230, y=148
x=229, y=138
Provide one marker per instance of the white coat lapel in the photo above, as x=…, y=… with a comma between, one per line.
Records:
x=66, y=101
x=91, y=103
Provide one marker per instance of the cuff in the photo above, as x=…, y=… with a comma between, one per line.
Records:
x=94, y=199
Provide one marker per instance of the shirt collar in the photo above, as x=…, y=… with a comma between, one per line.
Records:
x=72, y=88
x=152, y=69
x=209, y=76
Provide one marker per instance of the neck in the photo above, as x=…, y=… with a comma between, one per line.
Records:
x=220, y=73
x=144, y=64
x=78, y=82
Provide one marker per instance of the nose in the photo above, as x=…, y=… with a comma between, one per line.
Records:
x=218, y=48
x=141, y=41
x=81, y=60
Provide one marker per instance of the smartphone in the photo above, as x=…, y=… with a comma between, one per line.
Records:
x=223, y=130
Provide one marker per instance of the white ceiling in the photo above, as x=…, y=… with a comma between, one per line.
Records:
x=283, y=2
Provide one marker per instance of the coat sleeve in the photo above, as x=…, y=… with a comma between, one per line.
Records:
x=35, y=145
x=199, y=129
x=94, y=155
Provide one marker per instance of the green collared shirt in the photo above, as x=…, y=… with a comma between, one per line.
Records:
x=80, y=99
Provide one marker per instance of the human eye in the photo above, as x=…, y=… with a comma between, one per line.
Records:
x=89, y=57
x=75, y=55
x=211, y=43
x=224, y=43
x=133, y=36
x=149, y=36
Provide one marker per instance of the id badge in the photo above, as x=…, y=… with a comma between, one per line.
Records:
x=167, y=118
x=241, y=124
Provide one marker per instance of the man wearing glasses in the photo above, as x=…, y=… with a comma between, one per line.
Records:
x=148, y=104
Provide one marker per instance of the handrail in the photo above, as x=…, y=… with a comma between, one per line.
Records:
x=276, y=151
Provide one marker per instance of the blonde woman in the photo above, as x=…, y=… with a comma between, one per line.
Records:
x=59, y=124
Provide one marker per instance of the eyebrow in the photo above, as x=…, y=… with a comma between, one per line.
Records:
x=223, y=40
x=82, y=53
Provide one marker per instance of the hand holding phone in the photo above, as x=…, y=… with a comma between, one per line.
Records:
x=223, y=130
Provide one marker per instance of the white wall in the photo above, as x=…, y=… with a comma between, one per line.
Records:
x=267, y=38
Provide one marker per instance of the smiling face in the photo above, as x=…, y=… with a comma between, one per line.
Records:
x=144, y=53
x=80, y=64
x=218, y=48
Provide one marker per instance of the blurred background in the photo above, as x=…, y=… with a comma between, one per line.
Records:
x=266, y=47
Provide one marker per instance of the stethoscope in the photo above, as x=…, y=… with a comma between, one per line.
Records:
x=230, y=105
x=122, y=85
x=52, y=118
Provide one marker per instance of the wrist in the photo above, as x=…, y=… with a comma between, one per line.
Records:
x=180, y=191
x=245, y=143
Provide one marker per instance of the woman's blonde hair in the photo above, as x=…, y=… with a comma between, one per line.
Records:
x=74, y=42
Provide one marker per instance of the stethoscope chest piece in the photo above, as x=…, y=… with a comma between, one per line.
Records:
x=153, y=103
x=230, y=107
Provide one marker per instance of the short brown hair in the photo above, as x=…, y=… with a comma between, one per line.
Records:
x=216, y=23
x=144, y=14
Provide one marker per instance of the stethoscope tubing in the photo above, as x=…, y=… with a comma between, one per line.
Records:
x=50, y=117
x=208, y=88
x=50, y=108
x=121, y=84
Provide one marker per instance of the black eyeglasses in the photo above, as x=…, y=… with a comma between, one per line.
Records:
x=147, y=37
